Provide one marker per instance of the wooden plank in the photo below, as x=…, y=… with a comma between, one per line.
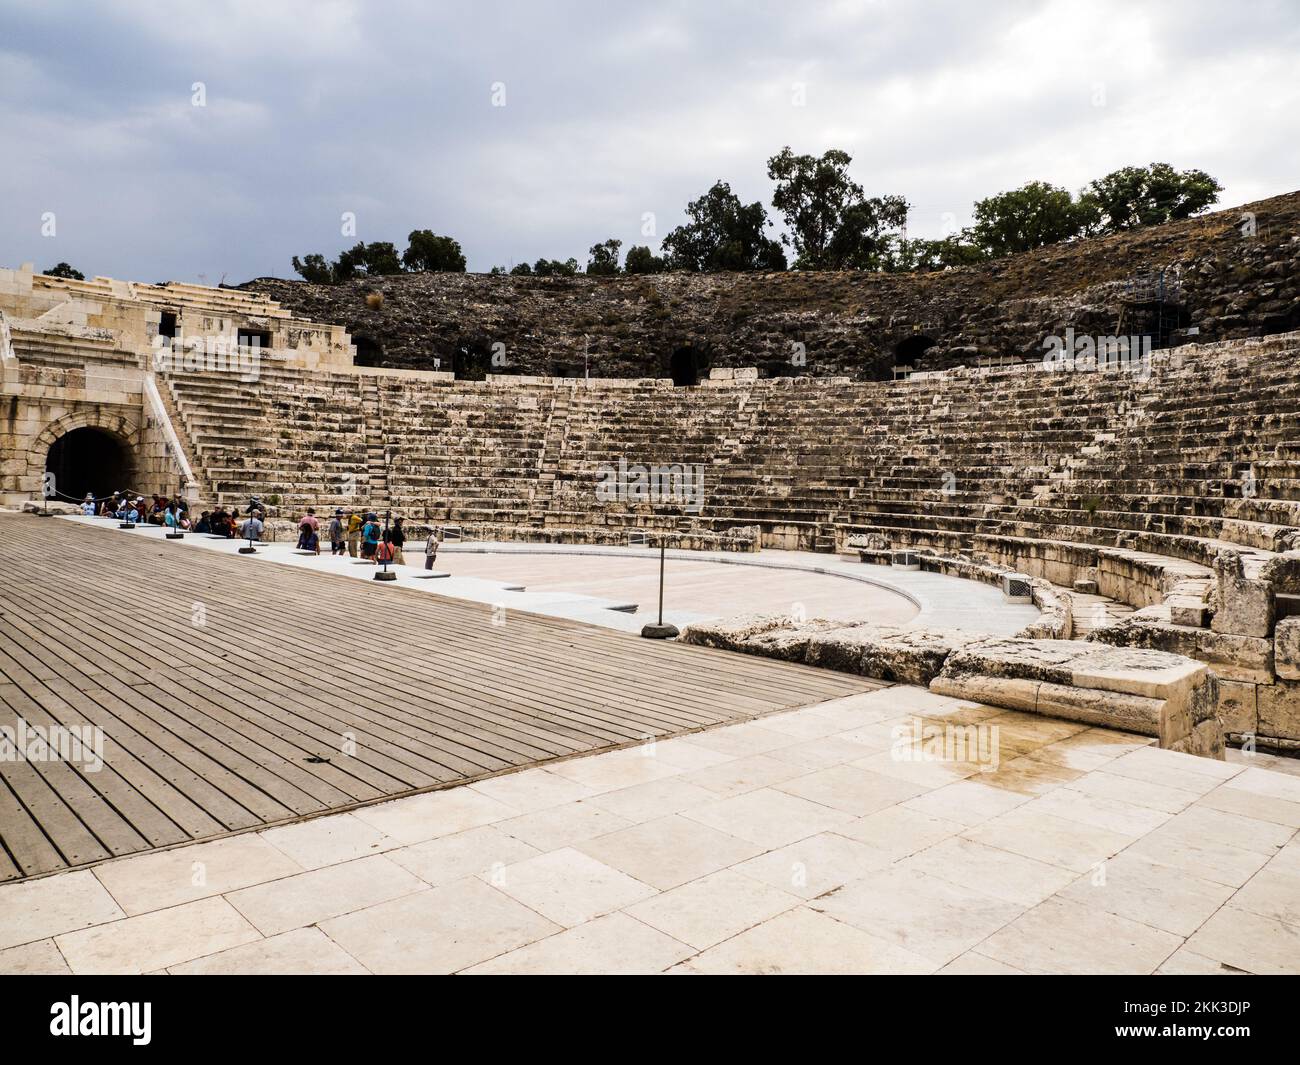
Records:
x=210, y=727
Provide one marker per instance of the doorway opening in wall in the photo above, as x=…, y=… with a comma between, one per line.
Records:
x=908, y=352
x=369, y=351
x=167, y=325
x=89, y=460
x=685, y=367
x=254, y=338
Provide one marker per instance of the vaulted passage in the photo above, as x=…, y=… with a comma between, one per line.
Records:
x=685, y=367
x=89, y=460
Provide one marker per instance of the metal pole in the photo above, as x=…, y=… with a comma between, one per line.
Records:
x=662, y=543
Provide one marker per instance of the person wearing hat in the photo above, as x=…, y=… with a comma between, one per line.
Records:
x=338, y=535
x=88, y=505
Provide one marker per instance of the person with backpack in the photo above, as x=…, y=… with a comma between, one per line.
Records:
x=370, y=533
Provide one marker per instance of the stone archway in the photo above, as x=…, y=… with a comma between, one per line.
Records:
x=81, y=449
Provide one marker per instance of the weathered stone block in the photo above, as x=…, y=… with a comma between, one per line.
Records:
x=1244, y=605
x=1237, y=707
x=1286, y=648
x=1279, y=710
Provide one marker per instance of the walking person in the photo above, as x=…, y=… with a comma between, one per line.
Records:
x=397, y=537
x=431, y=549
x=338, y=534
x=354, y=532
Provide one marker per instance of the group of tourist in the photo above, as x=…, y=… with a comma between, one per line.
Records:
x=359, y=535
x=171, y=511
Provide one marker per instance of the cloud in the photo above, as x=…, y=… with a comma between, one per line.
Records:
x=612, y=110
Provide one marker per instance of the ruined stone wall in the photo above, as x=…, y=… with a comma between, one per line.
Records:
x=1221, y=283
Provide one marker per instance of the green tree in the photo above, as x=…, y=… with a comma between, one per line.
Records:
x=1149, y=195
x=367, y=260
x=640, y=260
x=604, y=258
x=314, y=268
x=723, y=234
x=1029, y=217
x=832, y=224
x=555, y=268
x=428, y=251
x=64, y=270
x=521, y=270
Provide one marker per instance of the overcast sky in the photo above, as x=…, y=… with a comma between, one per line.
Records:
x=612, y=110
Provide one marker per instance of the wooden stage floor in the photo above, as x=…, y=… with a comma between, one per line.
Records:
x=234, y=694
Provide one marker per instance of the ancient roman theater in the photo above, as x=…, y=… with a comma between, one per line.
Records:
x=802, y=622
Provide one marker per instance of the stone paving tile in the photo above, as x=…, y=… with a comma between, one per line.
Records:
x=658, y=798
x=713, y=908
x=1049, y=838
x=440, y=930
x=669, y=851
x=993, y=871
x=1162, y=896
x=563, y=826
x=532, y=790
x=852, y=789
x=147, y=882
x=439, y=813
x=41, y=958
x=156, y=940
x=613, y=944
x=968, y=802
x=320, y=894
x=744, y=774
x=815, y=865
x=462, y=854
x=973, y=963
x=804, y=941
x=327, y=840
x=1249, y=941
x=304, y=951
x=1060, y=936
x=768, y=817
x=924, y=915
x=900, y=831
x=38, y=909
x=567, y=886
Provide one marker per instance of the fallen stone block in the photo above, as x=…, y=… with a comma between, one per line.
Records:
x=1243, y=605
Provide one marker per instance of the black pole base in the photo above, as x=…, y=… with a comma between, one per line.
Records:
x=45, y=513
x=248, y=550
x=175, y=536
x=385, y=575
x=126, y=525
x=659, y=632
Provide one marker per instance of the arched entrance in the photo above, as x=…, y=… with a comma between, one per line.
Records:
x=90, y=460
x=909, y=350
x=685, y=367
